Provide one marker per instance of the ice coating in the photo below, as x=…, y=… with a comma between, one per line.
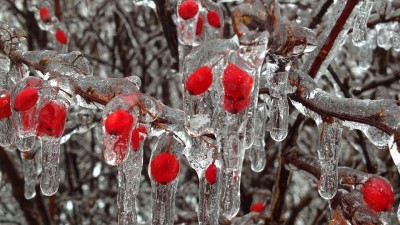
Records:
x=359, y=35
x=50, y=175
x=328, y=155
x=25, y=120
x=120, y=117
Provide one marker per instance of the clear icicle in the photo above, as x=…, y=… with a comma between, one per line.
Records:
x=29, y=171
x=257, y=154
x=25, y=144
x=50, y=176
x=233, y=154
x=128, y=185
x=328, y=153
x=163, y=195
x=209, y=199
x=279, y=118
x=394, y=151
x=7, y=132
x=383, y=36
x=359, y=35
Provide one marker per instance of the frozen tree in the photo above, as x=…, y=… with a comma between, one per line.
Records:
x=199, y=112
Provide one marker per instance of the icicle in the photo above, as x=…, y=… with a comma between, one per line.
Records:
x=383, y=36
x=129, y=178
x=257, y=154
x=50, y=127
x=50, y=176
x=164, y=168
x=233, y=153
x=394, y=151
x=277, y=83
x=328, y=155
x=359, y=35
x=25, y=144
x=29, y=171
x=6, y=126
x=202, y=157
x=279, y=118
x=210, y=195
x=398, y=213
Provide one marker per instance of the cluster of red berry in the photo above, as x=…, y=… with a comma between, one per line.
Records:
x=119, y=124
x=237, y=86
x=188, y=9
x=46, y=17
x=51, y=117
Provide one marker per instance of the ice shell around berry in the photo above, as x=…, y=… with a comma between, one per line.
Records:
x=61, y=37
x=5, y=105
x=164, y=168
x=236, y=106
x=213, y=19
x=199, y=25
x=378, y=194
x=44, y=14
x=119, y=123
x=188, y=9
x=26, y=99
x=236, y=82
x=211, y=174
x=51, y=120
x=199, y=81
x=138, y=135
x=257, y=207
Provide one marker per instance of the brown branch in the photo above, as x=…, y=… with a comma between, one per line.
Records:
x=169, y=27
x=326, y=48
x=375, y=84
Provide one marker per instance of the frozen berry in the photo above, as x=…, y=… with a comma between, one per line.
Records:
x=26, y=99
x=378, y=194
x=235, y=106
x=237, y=83
x=138, y=135
x=51, y=120
x=188, y=9
x=44, y=14
x=199, y=25
x=164, y=168
x=5, y=107
x=199, y=81
x=213, y=19
x=257, y=207
x=119, y=123
x=211, y=174
x=61, y=37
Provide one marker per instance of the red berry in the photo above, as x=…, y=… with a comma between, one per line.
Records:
x=211, y=174
x=213, y=19
x=378, y=194
x=51, y=120
x=5, y=106
x=138, y=137
x=237, y=83
x=26, y=99
x=199, y=81
x=257, y=207
x=235, y=106
x=61, y=37
x=164, y=168
x=188, y=9
x=44, y=14
x=119, y=123
x=199, y=25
